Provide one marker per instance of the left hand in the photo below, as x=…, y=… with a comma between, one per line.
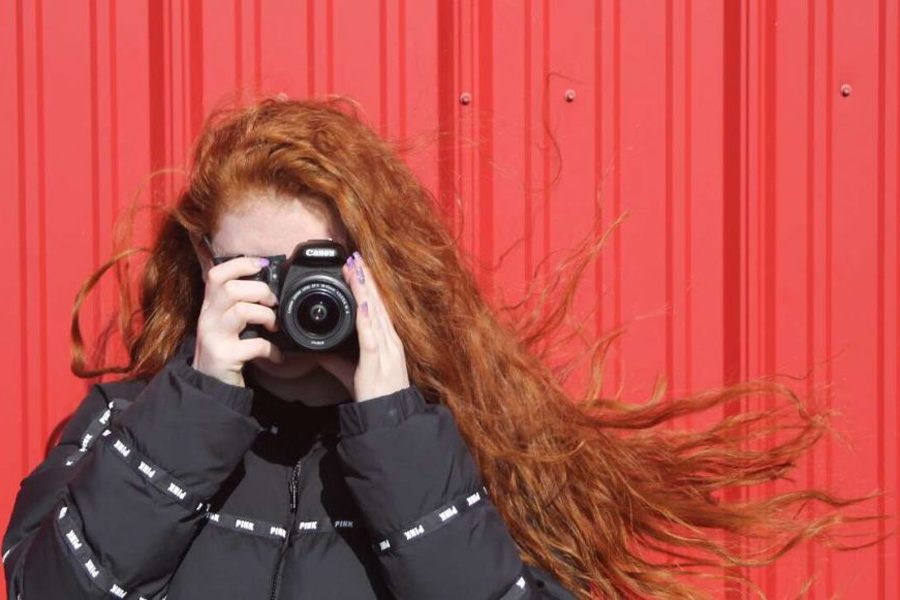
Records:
x=382, y=364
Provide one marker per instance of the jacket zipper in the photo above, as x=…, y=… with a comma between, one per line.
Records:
x=292, y=492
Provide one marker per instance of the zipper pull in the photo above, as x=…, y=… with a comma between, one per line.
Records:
x=293, y=487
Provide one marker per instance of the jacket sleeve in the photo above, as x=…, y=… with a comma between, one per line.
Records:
x=116, y=503
x=435, y=530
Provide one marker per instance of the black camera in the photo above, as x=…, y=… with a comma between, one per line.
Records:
x=316, y=310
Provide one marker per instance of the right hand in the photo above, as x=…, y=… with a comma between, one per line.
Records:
x=229, y=304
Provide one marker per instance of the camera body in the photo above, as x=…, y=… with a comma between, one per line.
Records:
x=316, y=310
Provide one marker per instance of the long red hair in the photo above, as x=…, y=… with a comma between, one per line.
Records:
x=587, y=486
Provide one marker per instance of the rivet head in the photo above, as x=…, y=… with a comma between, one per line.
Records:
x=570, y=95
x=465, y=98
x=846, y=90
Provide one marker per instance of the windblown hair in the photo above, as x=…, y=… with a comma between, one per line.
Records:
x=589, y=487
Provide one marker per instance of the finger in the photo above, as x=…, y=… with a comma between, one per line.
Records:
x=252, y=348
x=241, y=290
x=360, y=294
x=367, y=303
x=359, y=264
x=365, y=329
x=378, y=307
x=236, y=318
x=233, y=269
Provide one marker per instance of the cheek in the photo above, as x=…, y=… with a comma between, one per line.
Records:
x=294, y=365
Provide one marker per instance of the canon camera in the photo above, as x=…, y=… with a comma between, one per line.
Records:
x=316, y=308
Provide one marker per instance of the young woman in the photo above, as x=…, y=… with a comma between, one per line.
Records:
x=440, y=459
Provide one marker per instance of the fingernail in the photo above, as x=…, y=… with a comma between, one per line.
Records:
x=350, y=261
x=264, y=262
x=365, y=307
x=357, y=255
x=359, y=274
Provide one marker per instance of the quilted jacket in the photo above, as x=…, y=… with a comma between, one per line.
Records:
x=182, y=487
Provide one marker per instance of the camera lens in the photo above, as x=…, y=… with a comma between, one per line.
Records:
x=318, y=313
x=317, y=310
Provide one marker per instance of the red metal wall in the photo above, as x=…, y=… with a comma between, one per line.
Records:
x=753, y=143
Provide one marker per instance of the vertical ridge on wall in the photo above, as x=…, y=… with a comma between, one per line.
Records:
x=897, y=260
x=329, y=46
x=447, y=165
x=732, y=239
x=615, y=277
x=669, y=174
x=809, y=350
x=382, y=67
x=768, y=277
x=527, y=140
x=310, y=49
x=687, y=152
x=112, y=38
x=880, y=280
x=401, y=69
x=25, y=398
x=40, y=207
x=600, y=170
x=238, y=25
x=94, y=84
x=157, y=88
x=257, y=45
x=484, y=101
x=828, y=234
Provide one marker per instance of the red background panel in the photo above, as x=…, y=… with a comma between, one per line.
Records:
x=754, y=146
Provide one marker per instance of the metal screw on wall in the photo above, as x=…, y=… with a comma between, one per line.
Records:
x=846, y=90
x=465, y=98
x=570, y=95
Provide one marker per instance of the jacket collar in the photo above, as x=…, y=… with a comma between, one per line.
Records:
x=283, y=418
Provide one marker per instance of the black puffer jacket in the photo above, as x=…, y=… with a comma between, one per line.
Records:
x=184, y=487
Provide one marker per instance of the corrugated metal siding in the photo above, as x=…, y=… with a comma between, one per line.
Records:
x=754, y=144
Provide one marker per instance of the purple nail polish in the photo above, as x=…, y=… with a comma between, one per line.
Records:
x=359, y=274
x=357, y=255
x=350, y=261
x=365, y=307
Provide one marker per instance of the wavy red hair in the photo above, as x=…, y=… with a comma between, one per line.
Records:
x=589, y=487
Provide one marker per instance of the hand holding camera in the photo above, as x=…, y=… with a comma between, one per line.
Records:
x=306, y=307
x=315, y=308
x=381, y=367
x=229, y=304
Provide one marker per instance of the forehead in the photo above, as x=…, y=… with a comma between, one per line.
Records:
x=266, y=225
